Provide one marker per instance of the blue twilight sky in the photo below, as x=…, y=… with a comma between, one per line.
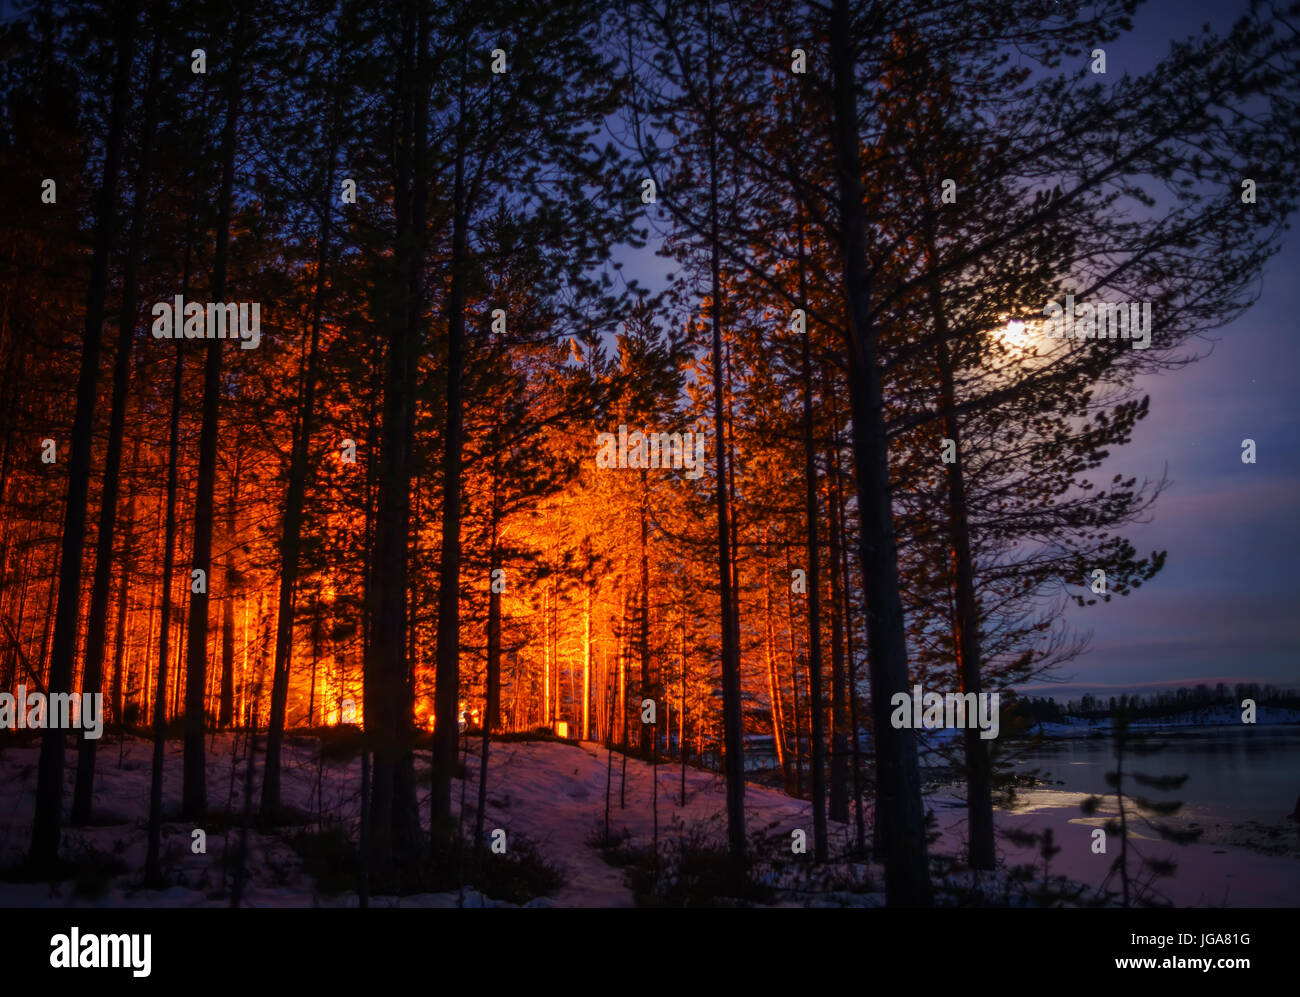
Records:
x=1226, y=604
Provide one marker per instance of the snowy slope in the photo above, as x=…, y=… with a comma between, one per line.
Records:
x=554, y=793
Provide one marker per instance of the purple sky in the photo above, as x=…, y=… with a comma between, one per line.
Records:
x=1226, y=604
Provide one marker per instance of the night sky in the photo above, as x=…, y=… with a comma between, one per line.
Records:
x=1225, y=605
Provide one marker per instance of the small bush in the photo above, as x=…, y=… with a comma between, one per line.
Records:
x=520, y=875
x=615, y=848
x=330, y=857
x=694, y=870
x=90, y=869
x=340, y=744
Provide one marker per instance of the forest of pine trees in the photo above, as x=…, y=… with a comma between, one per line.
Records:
x=388, y=513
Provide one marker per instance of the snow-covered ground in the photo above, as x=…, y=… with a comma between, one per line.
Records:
x=554, y=794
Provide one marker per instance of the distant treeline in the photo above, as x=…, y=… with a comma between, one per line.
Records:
x=1160, y=704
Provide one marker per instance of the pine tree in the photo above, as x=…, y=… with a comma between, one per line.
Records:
x=49, y=790
x=1137, y=885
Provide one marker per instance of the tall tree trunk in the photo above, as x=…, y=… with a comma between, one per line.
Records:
x=681, y=714
x=315, y=657
x=147, y=672
x=194, y=793
x=898, y=780
x=295, y=497
x=643, y=638
x=406, y=810
x=586, y=667
x=609, y=745
x=847, y=588
x=732, y=717
x=546, y=663
x=232, y=585
x=492, y=699
x=120, y=660
x=966, y=624
x=153, y=870
x=388, y=715
x=447, y=678
x=47, y=631
x=226, y=700
x=839, y=796
x=622, y=696
x=178, y=682
x=773, y=686
x=97, y=621
x=794, y=683
x=49, y=785
x=123, y=590
x=816, y=709
x=553, y=632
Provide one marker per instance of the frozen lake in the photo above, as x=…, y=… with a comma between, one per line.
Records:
x=1234, y=773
